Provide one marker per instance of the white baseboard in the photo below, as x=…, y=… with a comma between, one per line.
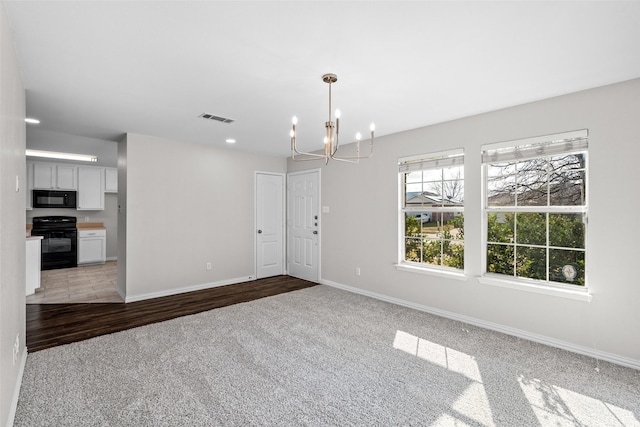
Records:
x=112, y=258
x=16, y=389
x=176, y=291
x=587, y=351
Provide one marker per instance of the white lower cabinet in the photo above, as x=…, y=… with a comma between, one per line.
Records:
x=33, y=250
x=92, y=246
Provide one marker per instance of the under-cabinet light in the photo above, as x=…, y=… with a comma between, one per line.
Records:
x=64, y=156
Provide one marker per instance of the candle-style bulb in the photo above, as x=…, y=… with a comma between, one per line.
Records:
x=337, y=114
x=372, y=127
x=294, y=120
x=358, y=136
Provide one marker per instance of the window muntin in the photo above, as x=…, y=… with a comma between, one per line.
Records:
x=535, y=210
x=432, y=206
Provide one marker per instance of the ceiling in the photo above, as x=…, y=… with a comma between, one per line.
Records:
x=100, y=69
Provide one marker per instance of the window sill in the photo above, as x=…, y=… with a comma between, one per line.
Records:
x=431, y=271
x=578, y=294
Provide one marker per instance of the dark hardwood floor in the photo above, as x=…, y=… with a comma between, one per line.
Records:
x=50, y=325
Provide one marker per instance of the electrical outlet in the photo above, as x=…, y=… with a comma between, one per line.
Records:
x=208, y=266
x=357, y=271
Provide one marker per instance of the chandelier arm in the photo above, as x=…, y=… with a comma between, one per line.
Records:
x=331, y=137
x=351, y=157
x=297, y=159
x=302, y=153
x=346, y=160
x=294, y=151
x=357, y=156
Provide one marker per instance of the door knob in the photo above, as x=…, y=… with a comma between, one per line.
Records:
x=315, y=231
x=259, y=231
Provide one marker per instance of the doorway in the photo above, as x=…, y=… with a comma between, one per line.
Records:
x=269, y=224
x=303, y=225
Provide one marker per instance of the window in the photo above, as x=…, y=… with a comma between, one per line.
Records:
x=432, y=206
x=535, y=205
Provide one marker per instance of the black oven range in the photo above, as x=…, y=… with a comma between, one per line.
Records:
x=59, y=241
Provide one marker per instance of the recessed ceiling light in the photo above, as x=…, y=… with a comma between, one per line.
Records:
x=231, y=141
x=32, y=121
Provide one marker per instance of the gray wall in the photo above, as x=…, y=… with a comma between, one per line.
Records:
x=361, y=229
x=38, y=139
x=12, y=223
x=185, y=205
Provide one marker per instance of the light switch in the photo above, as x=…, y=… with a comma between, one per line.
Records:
x=325, y=209
x=17, y=183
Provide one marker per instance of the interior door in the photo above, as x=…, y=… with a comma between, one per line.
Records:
x=269, y=225
x=303, y=225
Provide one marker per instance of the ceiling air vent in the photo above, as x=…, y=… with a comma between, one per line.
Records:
x=216, y=118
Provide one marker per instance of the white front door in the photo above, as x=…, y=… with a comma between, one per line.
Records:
x=269, y=225
x=303, y=222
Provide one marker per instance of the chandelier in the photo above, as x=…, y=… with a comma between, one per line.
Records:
x=332, y=131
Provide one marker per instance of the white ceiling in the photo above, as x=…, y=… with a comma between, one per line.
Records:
x=102, y=68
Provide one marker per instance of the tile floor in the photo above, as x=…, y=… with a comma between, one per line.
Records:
x=93, y=283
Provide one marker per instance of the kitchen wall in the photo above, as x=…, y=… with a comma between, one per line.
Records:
x=12, y=225
x=184, y=205
x=361, y=228
x=109, y=216
x=106, y=150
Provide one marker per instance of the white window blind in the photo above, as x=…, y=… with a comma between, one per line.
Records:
x=439, y=160
x=531, y=148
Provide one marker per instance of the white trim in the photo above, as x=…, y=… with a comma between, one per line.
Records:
x=564, y=345
x=431, y=271
x=16, y=389
x=111, y=258
x=538, y=209
x=581, y=294
x=582, y=133
x=176, y=291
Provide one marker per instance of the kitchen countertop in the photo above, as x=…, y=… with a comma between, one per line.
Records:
x=34, y=237
x=90, y=226
x=79, y=225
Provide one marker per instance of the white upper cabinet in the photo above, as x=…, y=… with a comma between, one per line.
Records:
x=90, y=188
x=43, y=176
x=111, y=180
x=50, y=176
x=91, y=182
x=66, y=177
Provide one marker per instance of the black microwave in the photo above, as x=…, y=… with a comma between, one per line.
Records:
x=54, y=199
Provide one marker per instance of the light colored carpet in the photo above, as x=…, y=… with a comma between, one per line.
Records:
x=317, y=357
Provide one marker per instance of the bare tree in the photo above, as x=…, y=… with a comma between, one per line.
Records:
x=557, y=181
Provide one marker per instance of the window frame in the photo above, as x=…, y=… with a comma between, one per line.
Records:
x=447, y=158
x=546, y=286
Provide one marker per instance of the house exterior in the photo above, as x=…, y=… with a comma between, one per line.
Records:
x=425, y=200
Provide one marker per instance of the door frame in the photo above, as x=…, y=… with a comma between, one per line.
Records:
x=283, y=255
x=288, y=200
